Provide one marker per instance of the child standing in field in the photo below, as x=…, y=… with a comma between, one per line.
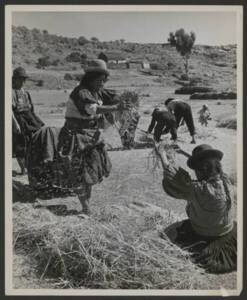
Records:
x=204, y=115
x=209, y=233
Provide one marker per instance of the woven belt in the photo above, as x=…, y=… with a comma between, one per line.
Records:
x=81, y=124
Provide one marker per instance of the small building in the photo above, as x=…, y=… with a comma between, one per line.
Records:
x=115, y=57
x=139, y=63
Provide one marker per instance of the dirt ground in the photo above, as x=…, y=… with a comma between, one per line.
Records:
x=133, y=179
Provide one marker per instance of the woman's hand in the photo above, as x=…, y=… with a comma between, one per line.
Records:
x=16, y=126
x=18, y=129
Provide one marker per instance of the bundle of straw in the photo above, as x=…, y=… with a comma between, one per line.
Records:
x=131, y=98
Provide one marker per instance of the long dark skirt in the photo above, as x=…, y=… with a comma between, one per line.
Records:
x=62, y=160
x=215, y=254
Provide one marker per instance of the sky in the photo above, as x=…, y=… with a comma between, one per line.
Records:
x=211, y=28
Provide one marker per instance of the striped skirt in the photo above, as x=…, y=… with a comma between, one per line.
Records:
x=214, y=254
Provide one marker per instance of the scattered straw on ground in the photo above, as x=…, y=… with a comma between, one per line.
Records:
x=119, y=248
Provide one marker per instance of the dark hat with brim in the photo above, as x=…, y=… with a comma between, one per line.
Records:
x=20, y=73
x=97, y=66
x=201, y=152
x=168, y=101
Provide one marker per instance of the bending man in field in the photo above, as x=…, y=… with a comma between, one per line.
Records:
x=182, y=110
x=163, y=122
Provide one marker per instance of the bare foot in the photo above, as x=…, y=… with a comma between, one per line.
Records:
x=83, y=215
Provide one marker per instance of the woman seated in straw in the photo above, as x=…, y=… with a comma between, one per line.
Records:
x=76, y=157
x=209, y=233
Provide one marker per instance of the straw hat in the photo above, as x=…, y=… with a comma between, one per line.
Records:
x=168, y=101
x=97, y=65
x=20, y=73
x=201, y=152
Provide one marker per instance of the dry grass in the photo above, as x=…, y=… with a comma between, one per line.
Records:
x=230, y=123
x=119, y=248
x=227, y=120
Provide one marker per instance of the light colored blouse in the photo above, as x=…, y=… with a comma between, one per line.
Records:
x=207, y=206
x=73, y=112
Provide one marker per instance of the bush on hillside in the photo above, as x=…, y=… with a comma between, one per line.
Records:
x=82, y=40
x=73, y=76
x=46, y=61
x=40, y=83
x=73, y=57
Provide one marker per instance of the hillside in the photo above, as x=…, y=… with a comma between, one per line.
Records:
x=213, y=66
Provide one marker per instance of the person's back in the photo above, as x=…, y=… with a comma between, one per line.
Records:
x=163, y=115
x=164, y=122
x=182, y=111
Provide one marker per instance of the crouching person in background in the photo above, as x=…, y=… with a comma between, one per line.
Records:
x=182, y=111
x=209, y=233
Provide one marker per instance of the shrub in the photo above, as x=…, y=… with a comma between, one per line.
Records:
x=44, y=61
x=75, y=76
x=82, y=40
x=74, y=57
x=40, y=83
x=68, y=76
x=184, y=77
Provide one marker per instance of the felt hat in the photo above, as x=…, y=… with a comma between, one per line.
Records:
x=97, y=65
x=20, y=73
x=205, y=106
x=168, y=101
x=201, y=152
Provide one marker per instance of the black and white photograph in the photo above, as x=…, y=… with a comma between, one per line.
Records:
x=123, y=150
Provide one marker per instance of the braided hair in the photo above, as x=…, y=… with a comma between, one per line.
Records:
x=210, y=168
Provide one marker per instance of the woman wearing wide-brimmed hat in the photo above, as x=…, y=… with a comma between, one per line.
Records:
x=24, y=120
x=209, y=232
x=81, y=160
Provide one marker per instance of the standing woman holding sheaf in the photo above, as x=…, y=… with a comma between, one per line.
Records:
x=81, y=160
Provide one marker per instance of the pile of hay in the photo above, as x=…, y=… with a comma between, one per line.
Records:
x=227, y=121
x=120, y=248
x=214, y=96
x=193, y=89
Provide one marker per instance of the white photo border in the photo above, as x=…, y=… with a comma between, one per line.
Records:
x=9, y=9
